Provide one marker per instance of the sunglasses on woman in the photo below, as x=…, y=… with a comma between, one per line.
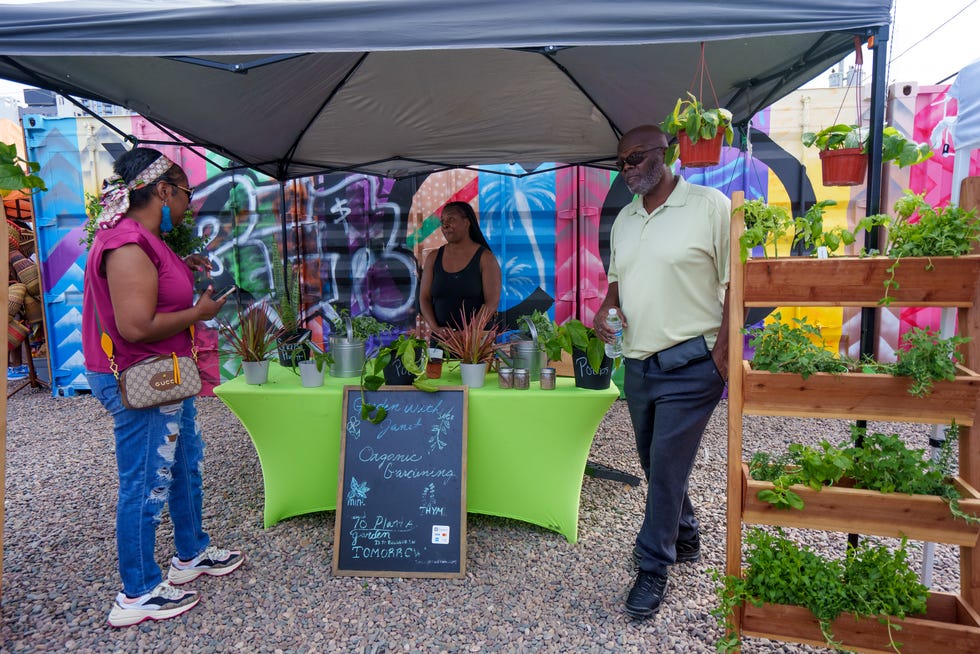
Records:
x=188, y=191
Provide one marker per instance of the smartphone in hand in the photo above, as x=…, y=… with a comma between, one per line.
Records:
x=224, y=293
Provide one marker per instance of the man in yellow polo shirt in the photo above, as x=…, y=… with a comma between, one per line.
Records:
x=668, y=277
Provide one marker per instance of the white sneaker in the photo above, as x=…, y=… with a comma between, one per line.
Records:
x=161, y=603
x=213, y=561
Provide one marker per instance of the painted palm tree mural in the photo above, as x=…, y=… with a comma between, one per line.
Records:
x=517, y=215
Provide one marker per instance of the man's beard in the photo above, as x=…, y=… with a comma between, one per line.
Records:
x=646, y=183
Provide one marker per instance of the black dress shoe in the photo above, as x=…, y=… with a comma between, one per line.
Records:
x=646, y=594
x=688, y=551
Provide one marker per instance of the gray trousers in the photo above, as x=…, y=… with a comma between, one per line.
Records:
x=669, y=410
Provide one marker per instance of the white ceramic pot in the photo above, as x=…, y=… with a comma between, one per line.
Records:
x=256, y=372
x=309, y=376
x=474, y=374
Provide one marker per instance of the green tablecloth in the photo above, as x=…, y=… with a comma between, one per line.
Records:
x=526, y=450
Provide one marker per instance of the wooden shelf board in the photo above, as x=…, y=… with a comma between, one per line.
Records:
x=858, y=396
x=854, y=510
x=854, y=281
x=949, y=626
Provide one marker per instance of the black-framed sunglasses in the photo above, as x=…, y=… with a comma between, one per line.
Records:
x=188, y=191
x=635, y=158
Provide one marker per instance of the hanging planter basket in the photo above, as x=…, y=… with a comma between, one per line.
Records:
x=845, y=167
x=704, y=153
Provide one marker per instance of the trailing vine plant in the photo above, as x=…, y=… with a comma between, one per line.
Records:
x=924, y=357
x=882, y=462
x=871, y=581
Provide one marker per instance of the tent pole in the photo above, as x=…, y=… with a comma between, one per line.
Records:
x=284, y=262
x=876, y=121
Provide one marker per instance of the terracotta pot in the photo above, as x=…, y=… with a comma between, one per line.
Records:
x=701, y=154
x=845, y=167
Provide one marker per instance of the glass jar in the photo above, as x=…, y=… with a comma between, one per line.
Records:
x=547, y=379
x=522, y=379
x=505, y=377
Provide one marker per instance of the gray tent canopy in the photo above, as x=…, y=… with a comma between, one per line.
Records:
x=395, y=88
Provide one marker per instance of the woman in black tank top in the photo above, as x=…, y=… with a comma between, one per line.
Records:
x=462, y=276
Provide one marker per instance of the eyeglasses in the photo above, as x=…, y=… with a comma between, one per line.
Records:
x=636, y=158
x=188, y=191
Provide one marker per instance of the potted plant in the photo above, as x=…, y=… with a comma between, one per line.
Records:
x=401, y=362
x=252, y=338
x=291, y=340
x=844, y=152
x=593, y=369
x=348, y=342
x=699, y=133
x=474, y=344
x=312, y=366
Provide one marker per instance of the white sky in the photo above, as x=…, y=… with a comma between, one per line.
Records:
x=931, y=40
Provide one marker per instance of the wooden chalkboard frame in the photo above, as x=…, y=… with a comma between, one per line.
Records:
x=352, y=427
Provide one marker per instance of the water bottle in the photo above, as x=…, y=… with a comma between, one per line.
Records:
x=614, y=350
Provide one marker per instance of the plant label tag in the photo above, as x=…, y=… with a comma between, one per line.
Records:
x=440, y=535
x=822, y=252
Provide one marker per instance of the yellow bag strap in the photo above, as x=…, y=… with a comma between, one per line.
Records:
x=106, y=342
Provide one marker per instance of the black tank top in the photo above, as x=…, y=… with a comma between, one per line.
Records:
x=456, y=294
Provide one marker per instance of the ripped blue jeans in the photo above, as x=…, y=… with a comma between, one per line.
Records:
x=159, y=453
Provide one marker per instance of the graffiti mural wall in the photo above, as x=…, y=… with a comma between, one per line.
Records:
x=357, y=240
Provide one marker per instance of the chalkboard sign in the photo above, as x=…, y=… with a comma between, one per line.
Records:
x=401, y=501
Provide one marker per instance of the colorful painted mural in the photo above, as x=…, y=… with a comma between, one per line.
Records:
x=358, y=240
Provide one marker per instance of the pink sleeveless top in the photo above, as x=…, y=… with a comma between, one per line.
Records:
x=175, y=293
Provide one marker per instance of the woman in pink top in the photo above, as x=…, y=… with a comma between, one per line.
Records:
x=141, y=294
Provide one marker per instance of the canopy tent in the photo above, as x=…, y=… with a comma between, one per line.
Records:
x=295, y=87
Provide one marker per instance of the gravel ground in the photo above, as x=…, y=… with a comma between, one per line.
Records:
x=526, y=589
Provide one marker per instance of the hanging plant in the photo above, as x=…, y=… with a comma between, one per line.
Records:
x=699, y=130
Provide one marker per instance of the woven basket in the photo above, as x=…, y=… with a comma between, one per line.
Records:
x=16, y=334
x=15, y=299
x=26, y=271
x=33, y=310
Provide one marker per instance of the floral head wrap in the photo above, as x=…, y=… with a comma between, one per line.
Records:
x=115, y=192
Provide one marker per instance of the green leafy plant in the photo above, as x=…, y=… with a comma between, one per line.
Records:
x=287, y=304
x=412, y=351
x=872, y=461
x=895, y=148
x=810, y=466
x=926, y=358
x=13, y=176
x=871, y=581
x=767, y=224
x=691, y=117
x=574, y=335
x=364, y=326
x=781, y=347
x=809, y=231
x=322, y=359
